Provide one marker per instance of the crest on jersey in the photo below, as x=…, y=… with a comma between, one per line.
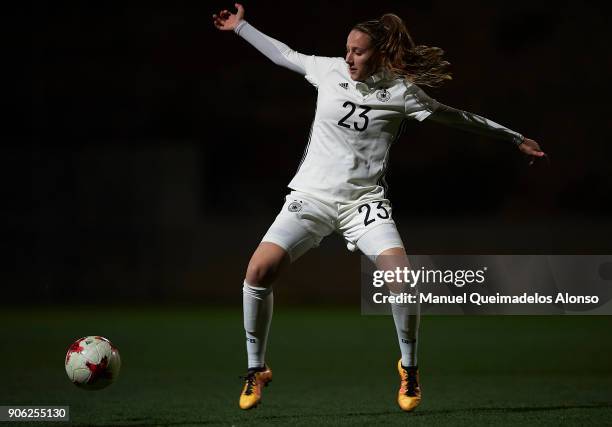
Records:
x=383, y=95
x=343, y=85
x=294, y=207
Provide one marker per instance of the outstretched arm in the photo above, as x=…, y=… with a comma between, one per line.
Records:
x=471, y=122
x=277, y=52
x=474, y=123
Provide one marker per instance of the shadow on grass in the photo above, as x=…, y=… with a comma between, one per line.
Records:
x=418, y=413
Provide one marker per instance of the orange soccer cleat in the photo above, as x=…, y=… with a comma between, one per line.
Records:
x=254, y=382
x=409, y=394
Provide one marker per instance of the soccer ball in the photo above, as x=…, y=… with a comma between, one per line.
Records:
x=92, y=363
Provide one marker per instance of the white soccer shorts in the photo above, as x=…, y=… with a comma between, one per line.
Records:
x=305, y=220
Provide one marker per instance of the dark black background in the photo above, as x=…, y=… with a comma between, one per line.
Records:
x=146, y=153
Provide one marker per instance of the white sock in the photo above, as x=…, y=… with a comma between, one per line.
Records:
x=407, y=327
x=257, y=308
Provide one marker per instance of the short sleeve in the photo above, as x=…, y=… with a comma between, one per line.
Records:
x=418, y=104
x=317, y=68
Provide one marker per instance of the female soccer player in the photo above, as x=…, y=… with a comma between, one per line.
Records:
x=363, y=101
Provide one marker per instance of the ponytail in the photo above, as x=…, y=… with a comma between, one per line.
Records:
x=418, y=64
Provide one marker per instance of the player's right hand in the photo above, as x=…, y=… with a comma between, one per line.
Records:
x=226, y=21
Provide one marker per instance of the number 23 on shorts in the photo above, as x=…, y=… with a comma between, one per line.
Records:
x=373, y=210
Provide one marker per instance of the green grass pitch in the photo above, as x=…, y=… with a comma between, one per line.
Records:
x=331, y=366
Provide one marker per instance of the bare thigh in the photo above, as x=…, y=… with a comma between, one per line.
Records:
x=390, y=259
x=267, y=262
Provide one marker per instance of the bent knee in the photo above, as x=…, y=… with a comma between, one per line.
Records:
x=261, y=273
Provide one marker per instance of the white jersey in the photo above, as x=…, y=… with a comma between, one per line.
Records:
x=356, y=122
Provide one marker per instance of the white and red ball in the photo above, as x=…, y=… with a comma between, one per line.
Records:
x=92, y=363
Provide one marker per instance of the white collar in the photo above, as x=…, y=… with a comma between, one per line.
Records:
x=370, y=83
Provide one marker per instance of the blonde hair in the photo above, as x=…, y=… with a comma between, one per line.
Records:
x=419, y=64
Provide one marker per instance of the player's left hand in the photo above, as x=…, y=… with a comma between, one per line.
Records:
x=532, y=149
